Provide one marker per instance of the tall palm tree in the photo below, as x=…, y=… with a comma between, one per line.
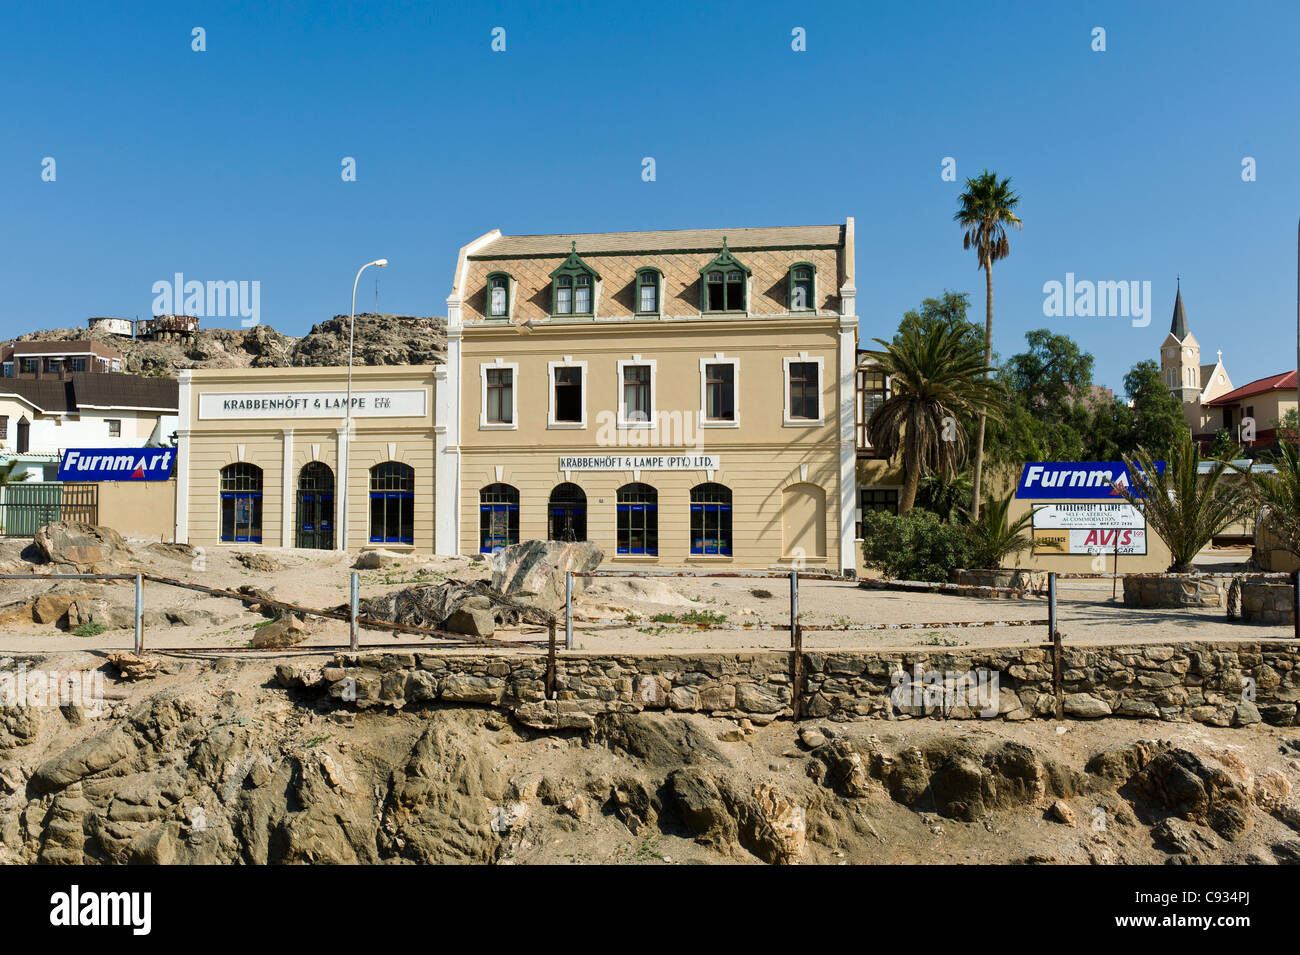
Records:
x=987, y=208
x=937, y=379
x=1184, y=508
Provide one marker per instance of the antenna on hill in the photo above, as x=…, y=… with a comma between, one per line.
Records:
x=376, y=293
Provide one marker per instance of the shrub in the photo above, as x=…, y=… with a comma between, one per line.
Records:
x=89, y=630
x=913, y=546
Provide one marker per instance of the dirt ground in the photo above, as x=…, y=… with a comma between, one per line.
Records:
x=634, y=615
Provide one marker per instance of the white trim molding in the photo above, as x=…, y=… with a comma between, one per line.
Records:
x=705, y=420
x=653, y=421
x=498, y=365
x=848, y=417
x=820, y=420
x=551, y=423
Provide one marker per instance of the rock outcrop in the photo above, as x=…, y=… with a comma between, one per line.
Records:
x=535, y=570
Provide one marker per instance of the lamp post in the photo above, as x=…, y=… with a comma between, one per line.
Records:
x=347, y=421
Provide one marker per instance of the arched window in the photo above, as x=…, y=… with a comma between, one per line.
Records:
x=573, y=285
x=241, y=503
x=567, y=513
x=723, y=282
x=498, y=517
x=315, y=507
x=803, y=276
x=649, y=282
x=498, y=295
x=392, y=503
x=24, y=435
x=710, y=520
x=638, y=519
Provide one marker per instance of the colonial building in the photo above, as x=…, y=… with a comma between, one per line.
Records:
x=681, y=397
x=57, y=360
x=1193, y=383
x=272, y=456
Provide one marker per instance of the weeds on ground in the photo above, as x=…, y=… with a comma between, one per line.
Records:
x=691, y=617
x=940, y=640
x=89, y=630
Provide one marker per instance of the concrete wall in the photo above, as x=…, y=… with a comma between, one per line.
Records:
x=1218, y=684
x=145, y=509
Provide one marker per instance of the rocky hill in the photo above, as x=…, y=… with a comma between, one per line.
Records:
x=380, y=340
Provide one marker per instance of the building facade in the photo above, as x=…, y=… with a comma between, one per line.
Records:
x=683, y=398
x=57, y=360
x=1193, y=383
x=265, y=456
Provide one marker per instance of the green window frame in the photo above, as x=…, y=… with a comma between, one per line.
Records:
x=498, y=305
x=649, y=283
x=724, y=283
x=573, y=287
x=802, y=285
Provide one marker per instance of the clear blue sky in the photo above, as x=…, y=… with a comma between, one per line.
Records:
x=225, y=165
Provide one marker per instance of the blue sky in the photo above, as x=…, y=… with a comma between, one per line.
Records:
x=225, y=164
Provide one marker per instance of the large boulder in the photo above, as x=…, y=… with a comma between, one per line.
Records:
x=453, y=605
x=535, y=570
x=87, y=548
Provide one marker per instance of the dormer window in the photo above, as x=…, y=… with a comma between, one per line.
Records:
x=498, y=295
x=648, y=283
x=802, y=288
x=573, y=286
x=724, y=282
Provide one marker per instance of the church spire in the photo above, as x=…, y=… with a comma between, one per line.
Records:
x=1178, y=327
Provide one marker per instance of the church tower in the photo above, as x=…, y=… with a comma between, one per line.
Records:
x=1180, y=357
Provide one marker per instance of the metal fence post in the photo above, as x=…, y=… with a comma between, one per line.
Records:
x=550, y=660
x=568, y=610
x=794, y=603
x=1058, y=687
x=139, y=613
x=796, y=646
x=354, y=600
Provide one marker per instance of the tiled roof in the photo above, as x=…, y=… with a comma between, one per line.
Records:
x=94, y=391
x=1283, y=382
x=673, y=240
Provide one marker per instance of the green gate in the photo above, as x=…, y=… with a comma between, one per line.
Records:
x=29, y=505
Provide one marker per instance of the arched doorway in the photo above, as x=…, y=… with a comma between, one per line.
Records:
x=567, y=520
x=315, y=507
x=803, y=522
x=241, y=503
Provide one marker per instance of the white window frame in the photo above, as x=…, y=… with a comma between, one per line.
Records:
x=551, y=423
x=483, y=423
x=705, y=420
x=789, y=422
x=653, y=423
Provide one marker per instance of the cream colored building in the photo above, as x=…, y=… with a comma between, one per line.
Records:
x=681, y=398
x=262, y=455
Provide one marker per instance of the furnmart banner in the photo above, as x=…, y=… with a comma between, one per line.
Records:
x=117, y=464
x=1070, y=480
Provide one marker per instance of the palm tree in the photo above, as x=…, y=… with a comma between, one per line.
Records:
x=947, y=498
x=994, y=536
x=987, y=208
x=1184, y=508
x=937, y=379
x=1279, y=495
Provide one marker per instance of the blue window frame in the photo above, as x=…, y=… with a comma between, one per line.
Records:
x=711, y=520
x=638, y=520
x=392, y=503
x=241, y=503
x=498, y=517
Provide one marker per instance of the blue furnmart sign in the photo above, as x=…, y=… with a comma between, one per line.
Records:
x=1069, y=480
x=117, y=464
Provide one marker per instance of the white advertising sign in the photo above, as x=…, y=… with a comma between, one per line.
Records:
x=312, y=404
x=1085, y=516
x=1092, y=541
x=640, y=462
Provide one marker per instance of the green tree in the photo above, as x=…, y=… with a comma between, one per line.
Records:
x=1185, y=508
x=948, y=311
x=987, y=208
x=1047, y=390
x=913, y=546
x=994, y=536
x=1279, y=495
x=1152, y=418
x=945, y=497
x=936, y=382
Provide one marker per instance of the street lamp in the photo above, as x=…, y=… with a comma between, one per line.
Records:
x=347, y=423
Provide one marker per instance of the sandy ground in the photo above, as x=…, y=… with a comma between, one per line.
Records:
x=616, y=614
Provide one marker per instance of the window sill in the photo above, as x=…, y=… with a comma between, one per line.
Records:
x=566, y=426
x=498, y=426
x=800, y=423
x=712, y=558
x=637, y=425
x=719, y=424
x=636, y=558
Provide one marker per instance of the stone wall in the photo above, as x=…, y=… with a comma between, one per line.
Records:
x=1220, y=684
x=1032, y=581
x=1174, y=590
x=1267, y=603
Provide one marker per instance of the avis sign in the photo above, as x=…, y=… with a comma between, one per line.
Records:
x=117, y=464
x=1084, y=480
